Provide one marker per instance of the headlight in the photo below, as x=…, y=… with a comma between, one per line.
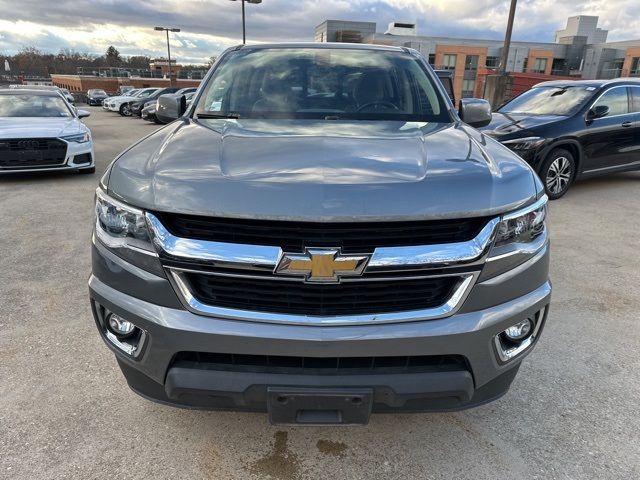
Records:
x=528, y=143
x=123, y=230
x=79, y=138
x=522, y=226
x=519, y=236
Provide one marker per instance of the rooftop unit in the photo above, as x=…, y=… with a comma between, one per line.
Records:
x=402, y=28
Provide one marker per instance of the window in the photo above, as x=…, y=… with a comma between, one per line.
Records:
x=540, y=65
x=549, y=101
x=616, y=99
x=492, y=62
x=471, y=62
x=468, y=87
x=635, y=66
x=432, y=59
x=25, y=105
x=449, y=62
x=321, y=83
x=635, y=98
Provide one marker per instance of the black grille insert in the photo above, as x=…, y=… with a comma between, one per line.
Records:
x=358, y=237
x=319, y=365
x=346, y=298
x=32, y=152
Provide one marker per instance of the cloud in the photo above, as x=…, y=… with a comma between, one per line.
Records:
x=209, y=26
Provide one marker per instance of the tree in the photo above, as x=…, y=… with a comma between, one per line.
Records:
x=139, y=61
x=112, y=57
x=211, y=61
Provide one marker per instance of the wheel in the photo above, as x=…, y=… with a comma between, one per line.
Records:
x=125, y=110
x=557, y=173
x=88, y=170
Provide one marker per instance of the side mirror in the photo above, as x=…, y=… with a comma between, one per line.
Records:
x=598, y=111
x=475, y=112
x=170, y=107
x=83, y=113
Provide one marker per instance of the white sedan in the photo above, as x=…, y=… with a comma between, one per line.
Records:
x=121, y=105
x=41, y=131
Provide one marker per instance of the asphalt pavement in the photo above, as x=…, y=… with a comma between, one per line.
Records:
x=66, y=412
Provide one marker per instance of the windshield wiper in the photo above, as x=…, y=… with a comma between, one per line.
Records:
x=205, y=114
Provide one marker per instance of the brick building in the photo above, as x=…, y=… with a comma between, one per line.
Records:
x=579, y=50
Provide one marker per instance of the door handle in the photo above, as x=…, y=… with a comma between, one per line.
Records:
x=627, y=124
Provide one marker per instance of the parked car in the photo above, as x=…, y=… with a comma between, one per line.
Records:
x=136, y=105
x=569, y=130
x=122, y=103
x=40, y=131
x=320, y=236
x=149, y=110
x=96, y=96
x=446, y=77
x=131, y=93
x=67, y=94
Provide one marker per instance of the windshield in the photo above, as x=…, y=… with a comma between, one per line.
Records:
x=33, y=106
x=549, y=101
x=145, y=93
x=322, y=83
x=97, y=92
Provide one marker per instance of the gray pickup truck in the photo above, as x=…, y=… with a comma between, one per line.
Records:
x=319, y=236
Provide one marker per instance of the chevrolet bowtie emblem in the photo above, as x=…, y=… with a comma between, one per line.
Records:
x=321, y=265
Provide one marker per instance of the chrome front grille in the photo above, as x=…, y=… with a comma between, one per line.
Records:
x=400, y=283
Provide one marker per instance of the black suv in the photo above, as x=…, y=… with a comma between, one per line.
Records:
x=138, y=105
x=573, y=129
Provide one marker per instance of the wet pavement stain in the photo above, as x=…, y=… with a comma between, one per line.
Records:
x=336, y=449
x=280, y=464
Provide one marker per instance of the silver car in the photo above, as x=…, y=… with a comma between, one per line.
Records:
x=319, y=236
x=41, y=131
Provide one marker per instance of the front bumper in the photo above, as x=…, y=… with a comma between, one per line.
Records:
x=79, y=156
x=151, y=303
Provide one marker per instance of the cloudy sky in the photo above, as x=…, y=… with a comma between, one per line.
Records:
x=208, y=26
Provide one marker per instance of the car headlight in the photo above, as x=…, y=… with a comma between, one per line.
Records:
x=522, y=226
x=519, y=236
x=123, y=230
x=79, y=138
x=527, y=143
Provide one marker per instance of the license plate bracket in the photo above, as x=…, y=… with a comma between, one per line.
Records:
x=313, y=406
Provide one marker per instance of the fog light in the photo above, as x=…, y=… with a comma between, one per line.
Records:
x=520, y=330
x=120, y=327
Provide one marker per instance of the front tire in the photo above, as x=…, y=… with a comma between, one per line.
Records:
x=125, y=110
x=558, y=172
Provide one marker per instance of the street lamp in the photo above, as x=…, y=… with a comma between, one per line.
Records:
x=244, y=36
x=168, y=29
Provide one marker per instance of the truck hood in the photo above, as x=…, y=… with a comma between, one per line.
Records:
x=39, y=127
x=322, y=171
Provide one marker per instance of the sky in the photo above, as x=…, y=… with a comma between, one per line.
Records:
x=210, y=26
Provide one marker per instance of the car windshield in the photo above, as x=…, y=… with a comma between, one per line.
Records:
x=97, y=92
x=33, y=106
x=564, y=100
x=322, y=83
x=145, y=93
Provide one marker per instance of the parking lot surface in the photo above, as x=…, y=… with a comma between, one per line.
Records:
x=66, y=411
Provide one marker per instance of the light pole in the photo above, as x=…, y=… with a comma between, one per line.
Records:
x=244, y=35
x=507, y=38
x=168, y=29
